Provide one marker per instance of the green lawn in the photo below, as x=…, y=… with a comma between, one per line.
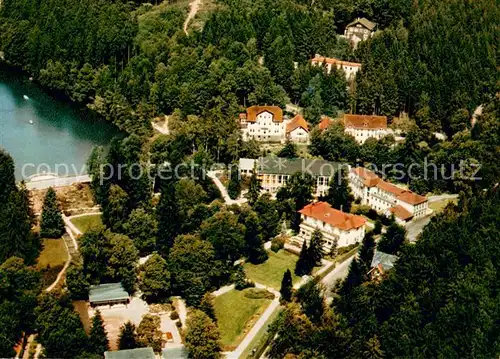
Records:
x=51, y=260
x=270, y=273
x=439, y=206
x=236, y=314
x=87, y=222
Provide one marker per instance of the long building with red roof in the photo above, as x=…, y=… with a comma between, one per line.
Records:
x=338, y=228
x=386, y=197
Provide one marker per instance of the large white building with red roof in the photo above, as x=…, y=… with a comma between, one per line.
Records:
x=350, y=68
x=336, y=226
x=385, y=197
x=363, y=127
x=263, y=123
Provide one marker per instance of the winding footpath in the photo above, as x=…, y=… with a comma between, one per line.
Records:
x=194, y=6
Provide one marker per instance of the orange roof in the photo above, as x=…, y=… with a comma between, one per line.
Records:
x=255, y=110
x=389, y=187
x=325, y=122
x=412, y=198
x=325, y=213
x=400, y=212
x=296, y=122
x=331, y=60
x=243, y=116
x=365, y=121
x=370, y=179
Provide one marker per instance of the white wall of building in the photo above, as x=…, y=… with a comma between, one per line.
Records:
x=299, y=135
x=264, y=128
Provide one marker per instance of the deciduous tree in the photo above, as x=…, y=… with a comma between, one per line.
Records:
x=202, y=336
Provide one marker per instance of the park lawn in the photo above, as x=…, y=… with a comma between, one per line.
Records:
x=85, y=223
x=439, y=206
x=270, y=273
x=51, y=260
x=236, y=314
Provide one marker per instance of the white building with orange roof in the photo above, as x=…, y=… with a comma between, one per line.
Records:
x=263, y=123
x=385, y=197
x=325, y=123
x=363, y=127
x=297, y=130
x=350, y=68
x=336, y=226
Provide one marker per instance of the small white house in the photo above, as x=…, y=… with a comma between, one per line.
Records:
x=297, y=130
x=336, y=226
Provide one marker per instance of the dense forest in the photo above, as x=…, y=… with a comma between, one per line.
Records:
x=132, y=62
x=439, y=301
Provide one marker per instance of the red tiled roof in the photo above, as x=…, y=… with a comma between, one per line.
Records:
x=331, y=60
x=243, y=116
x=370, y=179
x=411, y=198
x=365, y=121
x=389, y=187
x=255, y=110
x=401, y=212
x=296, y=122
x=325, y=213
x=325, y=122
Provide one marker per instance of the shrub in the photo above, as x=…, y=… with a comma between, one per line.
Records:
x=174, y=315
x=258, y=293
x=278, y=243
x=178, y=324
x=343, y=250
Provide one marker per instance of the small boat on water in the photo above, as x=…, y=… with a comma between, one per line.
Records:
x=31, y=122
x=26, y=97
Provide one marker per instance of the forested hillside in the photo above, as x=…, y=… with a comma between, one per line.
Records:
x=440, y=300
x=131, y=62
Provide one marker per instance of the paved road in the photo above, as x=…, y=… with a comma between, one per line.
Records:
x=340, y=272
x=440, y=197
x=223, y=190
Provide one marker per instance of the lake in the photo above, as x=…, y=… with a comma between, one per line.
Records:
x=44, y=134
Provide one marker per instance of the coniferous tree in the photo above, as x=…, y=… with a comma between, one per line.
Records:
x=365, y=253
x=114, y=209
x=98, y=339
x=254, y=188
x=52, y=224
x=339, y=194
x=289, y=150
x=310, y=296
x=303, y=265
x=128, y=337
x=286, y=286
x=234, y=185
x=168, y=217
x=392, y=239
x=315, y=251
x=7, y=177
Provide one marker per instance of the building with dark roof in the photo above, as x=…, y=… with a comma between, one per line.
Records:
x=359, y=30
x=138, y=353
x=108, y=294
x=381, y=263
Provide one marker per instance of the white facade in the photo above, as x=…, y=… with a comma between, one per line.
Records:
x=385, y=197
x=298, y=134
x=350, y=68
x=362, y=134
x=344, y=233
x=264, y=128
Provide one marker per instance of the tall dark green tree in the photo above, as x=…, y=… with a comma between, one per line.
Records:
x=392, y=239
x=365, y=253
x=289, y=150
x=202, y=336
x=7, y=177
x=303, y=265
x=254, y=188
x=286, y=286
x=168, y=220
x=315, y=252
x=310, y=297
x=128, y=337
x=154, y=279
x=98, y=338
x=234, y=185
x=269, y=218
x=339, y=193
x=115, y=209
x=298, y=189
x=52, y=224
x=253, y=239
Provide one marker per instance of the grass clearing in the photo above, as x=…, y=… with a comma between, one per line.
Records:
x=261, y=339
x=439, y=206
x=85, y=223
x=236, y=314
x=270, y=273
x=51, y=260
